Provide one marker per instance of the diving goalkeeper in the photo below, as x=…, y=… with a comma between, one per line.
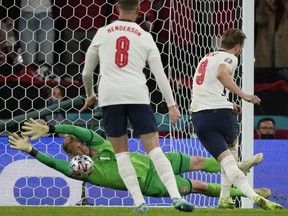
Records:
x=105, y=173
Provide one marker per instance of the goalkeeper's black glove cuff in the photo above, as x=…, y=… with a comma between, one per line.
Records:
x=33, y=152
x=51, y=129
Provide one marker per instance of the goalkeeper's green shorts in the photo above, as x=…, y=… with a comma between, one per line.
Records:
x=180, y=163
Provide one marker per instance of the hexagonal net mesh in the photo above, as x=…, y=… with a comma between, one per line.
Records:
x=43, y=46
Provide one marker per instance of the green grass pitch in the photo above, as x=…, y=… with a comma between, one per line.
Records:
x=124, y=211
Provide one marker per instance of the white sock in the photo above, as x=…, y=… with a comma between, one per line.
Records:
x=237, y=177
x=225, y=182
x=234, y=151
x=165, y=172
x=225, y=185
x=129, y=177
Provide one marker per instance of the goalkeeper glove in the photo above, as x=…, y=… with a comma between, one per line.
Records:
x=20, y=143
x=34, y=129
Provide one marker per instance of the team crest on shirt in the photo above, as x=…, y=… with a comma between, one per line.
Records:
x=228, y=60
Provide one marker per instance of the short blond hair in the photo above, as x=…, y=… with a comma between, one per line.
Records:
x=67, y=141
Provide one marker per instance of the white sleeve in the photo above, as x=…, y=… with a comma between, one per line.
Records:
x=157, y=69
x=91, y=61
x=231, y=62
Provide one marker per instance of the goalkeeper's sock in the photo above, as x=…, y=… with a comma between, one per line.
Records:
x=129, y=177
x=211, y=165
x=165, y=172
x=214, y=191
x=237, y=177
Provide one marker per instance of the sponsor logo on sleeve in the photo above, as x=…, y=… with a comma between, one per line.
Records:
x=228, y=60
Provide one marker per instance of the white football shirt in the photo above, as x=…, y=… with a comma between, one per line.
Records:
x=123, y=48
x=208, y=92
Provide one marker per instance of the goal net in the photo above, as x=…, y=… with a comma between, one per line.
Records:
x=43, y=46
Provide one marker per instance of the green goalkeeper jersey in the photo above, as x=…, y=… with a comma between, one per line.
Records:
x=105, y=171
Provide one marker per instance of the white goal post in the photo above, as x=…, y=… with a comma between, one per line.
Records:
x=184, y=31
x=248, y=87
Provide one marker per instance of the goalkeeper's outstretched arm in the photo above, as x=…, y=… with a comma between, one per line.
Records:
x=23, y=144
x=36, y=130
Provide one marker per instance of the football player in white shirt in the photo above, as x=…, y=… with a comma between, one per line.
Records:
x=214, y=117
x=123, y=48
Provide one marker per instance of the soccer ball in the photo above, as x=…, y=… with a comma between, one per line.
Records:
x=81, y=166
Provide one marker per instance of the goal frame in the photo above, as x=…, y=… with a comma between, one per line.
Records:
x=248, y=87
